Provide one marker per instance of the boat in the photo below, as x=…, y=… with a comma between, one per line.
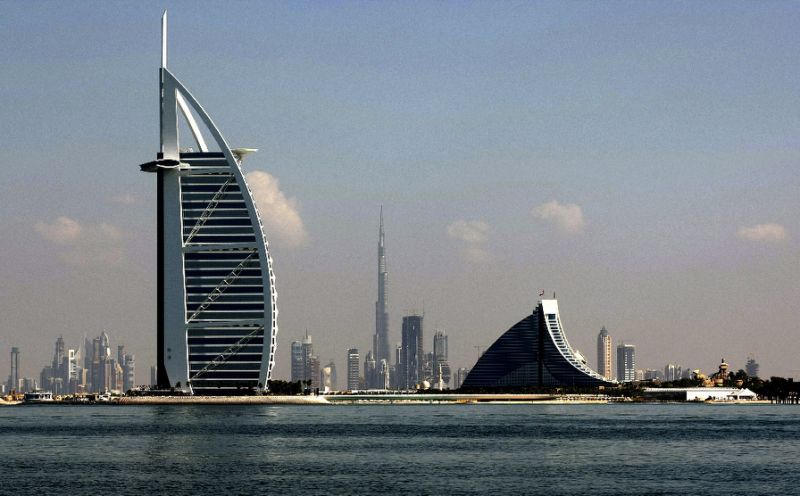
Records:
x=38, y=397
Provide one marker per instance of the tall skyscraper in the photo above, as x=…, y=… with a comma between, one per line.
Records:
x=305, y=365
x=352, y=369
x=216, y=316
x=314, y=371
x=13, y=378
x=398, y=376
x=73, y=370
x=626, y=362
x=327, y=377
x=751, y=367
x=460, y=375
x=380, y=341
x=129, y=369
x=370, y=371
x=441, y=367
x=604, y=362
x=384, y=375
x=298, y=362
x=671, y=372
x=411, y=352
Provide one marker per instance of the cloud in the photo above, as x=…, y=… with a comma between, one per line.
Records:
x=61, y=231
x=470, y=231
x=279, y=214
x=84, y=244
x=767, y=233
x=125, y=199
x=568, y=217
x=473, y=234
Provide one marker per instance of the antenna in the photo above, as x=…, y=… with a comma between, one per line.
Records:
x=164, y=40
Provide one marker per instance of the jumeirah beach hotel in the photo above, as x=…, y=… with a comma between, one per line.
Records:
x=534, y=352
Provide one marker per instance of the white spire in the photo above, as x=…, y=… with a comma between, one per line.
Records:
x=164, y=40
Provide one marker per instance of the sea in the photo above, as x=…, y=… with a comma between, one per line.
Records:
x=613, y=449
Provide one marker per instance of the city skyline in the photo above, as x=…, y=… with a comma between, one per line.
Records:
x=646, y=171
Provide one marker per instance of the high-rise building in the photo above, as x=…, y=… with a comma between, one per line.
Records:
x=13, y=378
x=398, y=376
x=411, y=352
x=380, y=341
x=352, y=369
x=653, y=375
x=671, y=372
x=751, y=367
x=626, y=363
x=604, y=362
x=216, y=310
x=327, y=378
x=29, y=384
x=427, y=368
x=313, y=371
x=73, y=370
x=460, y=375
x=129, y=369
x=59, y=378
x=46, y=378
x=384, y=375
x=305, y=365
x=88, y=354
x=441, y=367
x=370, y=371
x=117, y=377
x=298, y=362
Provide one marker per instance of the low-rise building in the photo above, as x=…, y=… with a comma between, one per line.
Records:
x=699, y=394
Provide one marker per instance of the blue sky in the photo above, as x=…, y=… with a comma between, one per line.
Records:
x=671, y=127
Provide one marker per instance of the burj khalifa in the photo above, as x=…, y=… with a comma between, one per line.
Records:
x=380, y=341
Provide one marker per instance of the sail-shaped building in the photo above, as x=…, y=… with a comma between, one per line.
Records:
x=216, y=316
x=533, y=353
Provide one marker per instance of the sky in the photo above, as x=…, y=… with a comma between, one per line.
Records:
x=639, y=159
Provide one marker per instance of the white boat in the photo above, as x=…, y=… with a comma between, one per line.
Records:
x=38, y=397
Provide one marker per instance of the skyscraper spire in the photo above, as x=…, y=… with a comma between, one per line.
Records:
x=380, y=341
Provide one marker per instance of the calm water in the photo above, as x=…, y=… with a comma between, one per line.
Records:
x=455, y=449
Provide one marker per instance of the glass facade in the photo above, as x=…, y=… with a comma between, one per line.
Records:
x=534, y=352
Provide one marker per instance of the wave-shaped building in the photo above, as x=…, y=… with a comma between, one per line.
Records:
x=216, y=317
x=533, y=353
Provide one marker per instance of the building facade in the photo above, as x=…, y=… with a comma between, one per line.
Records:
x=13, y=377
x=604, y=357
x=533, y=353
x=216, y=312
x=305, y=365
x=459, y=376
x=353, y=375
x=626, y=363
x=751, y=367
x=441, y=366
x=327, y=377
x=411, y=352
x=370, y=372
